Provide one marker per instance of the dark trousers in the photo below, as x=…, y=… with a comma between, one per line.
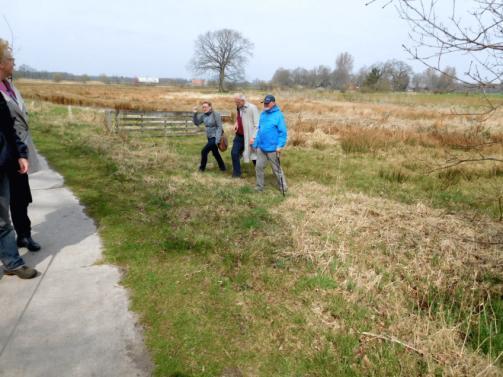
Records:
x=238, y=146
x=20, y=198
x=211, y=146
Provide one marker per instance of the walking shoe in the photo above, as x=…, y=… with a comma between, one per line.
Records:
x=23, y=272
x=29, y=243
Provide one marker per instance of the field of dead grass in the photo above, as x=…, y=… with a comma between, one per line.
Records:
x=380, y=261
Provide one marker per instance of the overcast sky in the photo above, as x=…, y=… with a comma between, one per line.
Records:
x=156, y=38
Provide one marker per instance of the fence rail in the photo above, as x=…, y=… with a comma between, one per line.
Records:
x=155, y=123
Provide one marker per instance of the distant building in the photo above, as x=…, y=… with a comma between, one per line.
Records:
x=147, y=80
x=198, y=82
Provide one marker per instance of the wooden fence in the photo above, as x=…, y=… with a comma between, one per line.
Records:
x=155, y=123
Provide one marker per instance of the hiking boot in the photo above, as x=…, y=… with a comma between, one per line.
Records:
x=29, y=243
x=23, y=272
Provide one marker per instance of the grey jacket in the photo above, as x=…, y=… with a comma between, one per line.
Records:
x=213, y=123
x=20, y=114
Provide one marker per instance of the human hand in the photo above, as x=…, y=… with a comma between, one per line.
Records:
x=23, y=165
x=194, y=109
x=235, y=127
x=279, y=150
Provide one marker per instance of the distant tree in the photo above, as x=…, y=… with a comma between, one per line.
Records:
x=439, y=82
x=417, y=82
x=57, y=77
x=300, y=76
x=224, y=53
x=282, y=77
x=104, y=78
x=84, y=78
x=398, y=74
x=447, y=81
x=373, y=80
x=321, y=76
x=343, y=69
x=361, y=76
x=26, y=68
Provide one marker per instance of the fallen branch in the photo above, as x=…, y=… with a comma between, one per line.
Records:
x=392, y=339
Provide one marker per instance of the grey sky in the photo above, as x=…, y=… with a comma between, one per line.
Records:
x=155, y=38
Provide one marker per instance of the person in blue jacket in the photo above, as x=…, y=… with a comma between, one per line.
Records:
x=269, y=142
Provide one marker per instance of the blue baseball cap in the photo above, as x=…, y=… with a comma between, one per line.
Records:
x=268, y=99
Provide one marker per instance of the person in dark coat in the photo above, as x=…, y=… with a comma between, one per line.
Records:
x=13, y=152
x=19, y=183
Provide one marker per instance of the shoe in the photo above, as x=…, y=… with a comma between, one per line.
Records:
x=236, y=176
x=29, y=243
x=258, y=189
x=23, y=272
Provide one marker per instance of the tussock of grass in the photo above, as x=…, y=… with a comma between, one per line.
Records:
x=391, y=258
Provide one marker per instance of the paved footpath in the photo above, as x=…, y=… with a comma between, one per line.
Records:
x=72, y=319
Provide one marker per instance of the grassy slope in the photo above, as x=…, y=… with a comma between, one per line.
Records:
x=210, y=265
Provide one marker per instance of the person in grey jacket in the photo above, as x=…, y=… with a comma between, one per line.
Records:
x=214, y=131
x=20, y=190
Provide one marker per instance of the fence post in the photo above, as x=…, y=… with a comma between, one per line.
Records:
x=108, y=120
x=116, y=128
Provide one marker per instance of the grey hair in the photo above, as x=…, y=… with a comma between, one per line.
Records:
x=5, y=50
x=240, y=96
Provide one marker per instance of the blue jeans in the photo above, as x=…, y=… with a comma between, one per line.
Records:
x=238, y=146
x=9, y=254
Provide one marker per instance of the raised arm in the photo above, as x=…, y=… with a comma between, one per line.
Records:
x=197, y=119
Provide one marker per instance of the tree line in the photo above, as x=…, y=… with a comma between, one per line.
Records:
x=392, y=75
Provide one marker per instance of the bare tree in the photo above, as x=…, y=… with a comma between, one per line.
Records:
x=343, y=70
x=223, y=52
x=477, y=32
x=473, y=28
x=398, y=73
x=321, y=76
x=282, y=77
x=300, y=76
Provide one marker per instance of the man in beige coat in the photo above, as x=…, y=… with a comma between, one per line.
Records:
x=246, y=128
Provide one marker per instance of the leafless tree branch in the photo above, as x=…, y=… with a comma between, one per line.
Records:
x=223, y=52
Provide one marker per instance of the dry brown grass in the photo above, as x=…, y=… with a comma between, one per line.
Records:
x=390, y=256
x=315, y=110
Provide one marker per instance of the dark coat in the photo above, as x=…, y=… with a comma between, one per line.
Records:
x=11, y=146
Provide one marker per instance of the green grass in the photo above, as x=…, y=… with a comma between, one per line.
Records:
x=206, y=258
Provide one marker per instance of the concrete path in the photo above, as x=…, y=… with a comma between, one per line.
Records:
x=73, y=319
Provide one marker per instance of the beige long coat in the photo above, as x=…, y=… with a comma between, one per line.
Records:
x=250, y=116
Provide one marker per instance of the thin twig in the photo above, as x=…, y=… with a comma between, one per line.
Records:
x=489, y=366
x=397, y=341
